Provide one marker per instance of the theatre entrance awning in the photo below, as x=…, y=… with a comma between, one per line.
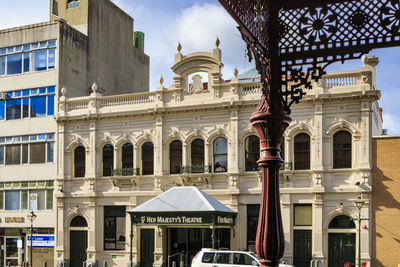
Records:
x=183, y=206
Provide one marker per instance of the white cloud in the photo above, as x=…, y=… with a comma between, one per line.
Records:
x=391, y=123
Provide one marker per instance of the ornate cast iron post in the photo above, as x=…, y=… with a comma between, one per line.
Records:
x=292, y=42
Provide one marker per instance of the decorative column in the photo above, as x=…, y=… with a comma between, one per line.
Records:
x=317, y=224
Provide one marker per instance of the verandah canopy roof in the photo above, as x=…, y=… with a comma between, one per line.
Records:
x=183, y=206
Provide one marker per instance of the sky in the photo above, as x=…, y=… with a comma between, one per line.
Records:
x=196, y=24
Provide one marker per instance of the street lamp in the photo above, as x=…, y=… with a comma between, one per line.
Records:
x=31, y=217
x=359, y=202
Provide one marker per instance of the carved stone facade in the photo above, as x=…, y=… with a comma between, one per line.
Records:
x=343, y=101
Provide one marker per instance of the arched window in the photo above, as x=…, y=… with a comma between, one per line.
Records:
x=175, y=157
x=197, y=157
x=302, y=152
x=342, y=150
x=252, y=153
x=79, y=161
x=78, y=221
x=108, y=159
x=342, y=222
x=220, y=155
x=127, y=156
x=147, y=158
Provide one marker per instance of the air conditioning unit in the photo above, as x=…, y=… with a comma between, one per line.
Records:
x=3, y=96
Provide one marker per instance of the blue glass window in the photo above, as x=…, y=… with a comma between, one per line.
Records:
x=17, y=93
x=27, y=47
x=52, y=43
x=12, y=200
x=38, y=106
x=42, y=90
x=2, y=111
x=13, y=109
x=50, y=152
x=25, y=107
x=25, y=92
x=10, y=94
x=34, y=91
x=14, y=64
x=2, y=65
x=26, y=62
x=50, y=105
x=10, y=49
x=18, y=48
x=51, y=89
x=2, y=51
x=52, y=58
x=39, y=60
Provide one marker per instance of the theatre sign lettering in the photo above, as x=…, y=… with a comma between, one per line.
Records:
x=178, y=219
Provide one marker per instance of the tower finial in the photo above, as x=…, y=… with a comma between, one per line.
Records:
x=217, y=42
x=179, y=47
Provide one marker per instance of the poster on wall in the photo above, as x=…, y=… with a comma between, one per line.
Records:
x=120, y=233
x=41, y=241
x=33, y=201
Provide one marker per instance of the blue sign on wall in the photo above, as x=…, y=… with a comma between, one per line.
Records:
x=41, y=241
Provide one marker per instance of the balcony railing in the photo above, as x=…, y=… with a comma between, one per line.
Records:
x=125, y=172
x=196, y=169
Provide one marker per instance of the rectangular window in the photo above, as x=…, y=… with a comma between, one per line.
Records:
x=39, y=60
x=13, y=109
x=2, y=65
x=252, y=222
x=14, y=64
x=302, y=215
x=1, y=200
x=114, y=227
x=50, y=105
x=40, y=202
x=25, y=153
x=26, y=62
x=13, y=154
x=25, y=107
x=1, y=155
x=49, y=199
x=2, y=109
x=52, y=58
x=24, y=200
x=12, y=200
x=50, y=152
x=38, y=106
x=37, y=153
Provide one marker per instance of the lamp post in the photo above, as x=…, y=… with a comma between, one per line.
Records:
x=292, y=43
x=31, y=217
x=359, y=202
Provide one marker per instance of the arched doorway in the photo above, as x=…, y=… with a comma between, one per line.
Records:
x=341, y=241
x=78, y=237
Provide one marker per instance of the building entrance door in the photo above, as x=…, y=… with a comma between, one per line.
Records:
x=146, y=247
x=10, y=252
x=302, y=248
x=78, y=247
x=341, y=249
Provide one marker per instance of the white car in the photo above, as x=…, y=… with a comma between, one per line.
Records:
x=208, y=257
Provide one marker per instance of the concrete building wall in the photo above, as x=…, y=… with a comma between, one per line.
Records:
x=385, y=201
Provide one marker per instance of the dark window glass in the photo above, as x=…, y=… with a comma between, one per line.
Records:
x=2, y=110
x=14, y=64
x=222, y=257
x=127, y=156
x=252, y=153
x=342, y=150
x=220, y=155
x=50, y=152
x=38, y=106
x=147, y=158
x=302, y=152
x=38, y=153
x=79, y=161
x=197, y=151
x=342, y=222
x=2, y=65
x=13, y=109
x=108, y=160
x=52, y=58
x=25, y=153
x=208, y=257
x=26, y=62
x=78, y=221
x=39, y=60
x=12, y=200
x=175, y=157
x=49, y=199
x=25, y=107
x=243, y=259
x=13, y=154
x=1, y=155
x=114, y=227
x=252, y=222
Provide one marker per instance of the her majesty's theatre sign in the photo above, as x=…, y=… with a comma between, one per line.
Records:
x=179, y=219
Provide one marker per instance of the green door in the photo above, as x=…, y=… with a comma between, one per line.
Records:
x=78, y=247
x=146, y=248
x=302, y=248
x=341, y=249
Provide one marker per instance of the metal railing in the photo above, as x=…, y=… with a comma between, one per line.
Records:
x=196, y=169
x=125, y=172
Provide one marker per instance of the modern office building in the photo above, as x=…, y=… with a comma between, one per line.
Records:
x=84, y=42
x=385, y=200
x=118, y=152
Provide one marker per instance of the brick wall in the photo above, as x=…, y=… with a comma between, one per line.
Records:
x=386, y=201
